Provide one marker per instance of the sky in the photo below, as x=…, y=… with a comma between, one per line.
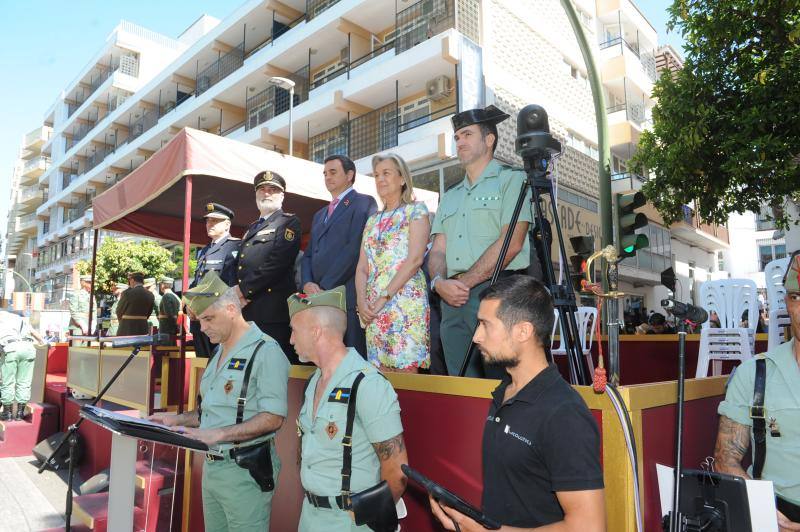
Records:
x=46, y=43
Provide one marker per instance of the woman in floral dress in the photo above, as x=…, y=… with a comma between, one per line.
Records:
x=390, y=286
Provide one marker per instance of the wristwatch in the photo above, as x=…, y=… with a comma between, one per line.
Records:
x=433, y=282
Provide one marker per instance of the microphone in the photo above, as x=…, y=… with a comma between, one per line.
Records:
x=140, y=341
x=685, y=311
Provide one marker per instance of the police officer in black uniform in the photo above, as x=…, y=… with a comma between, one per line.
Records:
x=266, y=259
x=219, y=256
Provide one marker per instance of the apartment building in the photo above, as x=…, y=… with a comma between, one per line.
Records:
x=355, y=77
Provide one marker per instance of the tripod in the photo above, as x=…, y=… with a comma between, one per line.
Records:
x=72, y=439
x=536, y=147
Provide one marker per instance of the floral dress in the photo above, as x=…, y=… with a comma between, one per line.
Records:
x=399, y=336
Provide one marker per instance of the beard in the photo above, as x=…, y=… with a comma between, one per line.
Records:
x=268, y=205
x=502, y=363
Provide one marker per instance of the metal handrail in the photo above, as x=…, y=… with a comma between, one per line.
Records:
x=220, y=69
x=371, y=55
x=430, y=117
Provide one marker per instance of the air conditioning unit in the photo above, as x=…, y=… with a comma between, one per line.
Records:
x=438, y=88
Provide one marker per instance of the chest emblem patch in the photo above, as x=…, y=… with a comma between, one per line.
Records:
x=237, y=363
x=339, y=395
x=331, y=430
x=228, y=386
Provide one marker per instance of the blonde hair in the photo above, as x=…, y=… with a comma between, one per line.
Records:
x=407, y=195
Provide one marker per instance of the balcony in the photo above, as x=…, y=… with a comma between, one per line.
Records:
x=27, y=224
x=126, y=64
x=31, y=196
x=315, y=8
x=36, y=138
x=68, y=178
x=710, y=237
x=220, y=69
x=148, y=119
x=33, y=169
x=273, y=100
x=79, y=210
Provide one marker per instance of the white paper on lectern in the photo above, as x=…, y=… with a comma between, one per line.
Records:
x=760, y=498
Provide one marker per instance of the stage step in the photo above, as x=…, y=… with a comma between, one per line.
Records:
x=92, y=509
x=17, y=438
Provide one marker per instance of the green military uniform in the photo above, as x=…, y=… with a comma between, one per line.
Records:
x=232, y=500
x=471, y=217
x=114, y=322
x=377, y=419
x=168, y=309
x=78, y=311
x=19, y=353
x=781, y=404
x=152, y=319
x=133, y=310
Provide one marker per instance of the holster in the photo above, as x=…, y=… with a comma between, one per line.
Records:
x=257, y=459
x=375, y=508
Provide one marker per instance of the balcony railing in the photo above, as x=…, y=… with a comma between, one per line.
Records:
x=646, y=58
x=24, y=221
x=79, y=132
x=68, y=179
x=37, y=163
x=97, y=157
x=78, y=210
x=273, y=101
x=29, y=193
x=220, y=69
x=42, y=133
x=142, y=124
x=421, y=21
x=278, y=29
x=634, y=111
x=315, y=8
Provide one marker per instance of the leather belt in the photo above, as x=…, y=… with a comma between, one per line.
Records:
x=130, y=317
x=231, y=453
x=321, y=501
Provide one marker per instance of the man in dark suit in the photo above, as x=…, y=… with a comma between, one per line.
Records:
x=134, y=307
x=265, y=263
x=219, y=256
x=331, y=256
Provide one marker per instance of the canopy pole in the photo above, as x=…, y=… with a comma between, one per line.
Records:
x=91, y=290
x=187, y=227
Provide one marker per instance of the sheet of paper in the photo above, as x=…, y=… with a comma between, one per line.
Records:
x=761, y=496
x=666, y=487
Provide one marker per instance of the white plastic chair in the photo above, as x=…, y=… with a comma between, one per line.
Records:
x=586, y=317
x=729, y=298
x=776, y=293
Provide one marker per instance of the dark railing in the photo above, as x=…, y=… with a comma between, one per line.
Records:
x=105, y=73
x=220, y=69
x=315, y=8
x=373, y=54
x=67, y=180
x=278, y=29
x=273, y=101
x=77, y=210
x=81, y=131
x=421, y=21
x=416, y=121
x=318, y=82
x=142, y=124
x=97, y=157
x=619, y=41
x=225, y=132
x=74, y=106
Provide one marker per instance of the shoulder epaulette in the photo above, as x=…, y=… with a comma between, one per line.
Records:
x=289, y=214
x=233, y=238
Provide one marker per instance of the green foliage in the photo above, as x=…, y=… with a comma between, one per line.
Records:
x=726, y=128
x=115, y=258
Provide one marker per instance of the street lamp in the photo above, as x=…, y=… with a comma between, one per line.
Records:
x=288, y=85
x=24, y=280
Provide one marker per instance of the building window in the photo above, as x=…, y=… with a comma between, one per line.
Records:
x=764, y=221
x=768, y=252
x=582, y=145
x=720, y=262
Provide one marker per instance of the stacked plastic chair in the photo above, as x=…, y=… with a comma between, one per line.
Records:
x=586, y=318
x=776, y=294
x=729, y=298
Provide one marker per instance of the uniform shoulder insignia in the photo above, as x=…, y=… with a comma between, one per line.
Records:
x=288, y=234
x=233, y=238
x=289, y=214
x=339, y=395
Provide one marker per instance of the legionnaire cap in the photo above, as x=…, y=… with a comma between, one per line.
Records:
x=334, y=297
x=490, y=115
x=149, y=281
x=791, y=281
x=166, y=279
x=215, y=210
x=121, y=286
x=269, y=178
x=87, y=278
x=206, y=293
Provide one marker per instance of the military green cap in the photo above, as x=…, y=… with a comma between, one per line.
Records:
x=149, y=281
x=166, y=279
x=334, y=297
x=122, y=286
x=208, y=290
x=87, y=278
x=791, y=281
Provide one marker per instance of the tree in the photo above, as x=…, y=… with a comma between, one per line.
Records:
x=726, y=128
x=115, y=258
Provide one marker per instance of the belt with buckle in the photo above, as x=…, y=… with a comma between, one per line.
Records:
x=231, y=453
x=321, y=501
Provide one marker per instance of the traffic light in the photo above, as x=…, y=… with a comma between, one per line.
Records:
x=583, y=246
x=628, y=221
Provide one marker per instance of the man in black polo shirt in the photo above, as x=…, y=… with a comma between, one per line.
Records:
x=541, y=446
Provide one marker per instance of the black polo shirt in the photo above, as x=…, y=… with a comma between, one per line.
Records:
x=541, y=441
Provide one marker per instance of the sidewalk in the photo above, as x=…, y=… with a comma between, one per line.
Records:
x=29, y=501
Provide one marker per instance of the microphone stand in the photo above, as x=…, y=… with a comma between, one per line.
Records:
x=676, y=520
x=72, y=439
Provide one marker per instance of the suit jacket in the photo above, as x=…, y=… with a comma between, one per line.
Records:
x=265, y=267
x=331, y=256
x=136, y=302
x=219, y=257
